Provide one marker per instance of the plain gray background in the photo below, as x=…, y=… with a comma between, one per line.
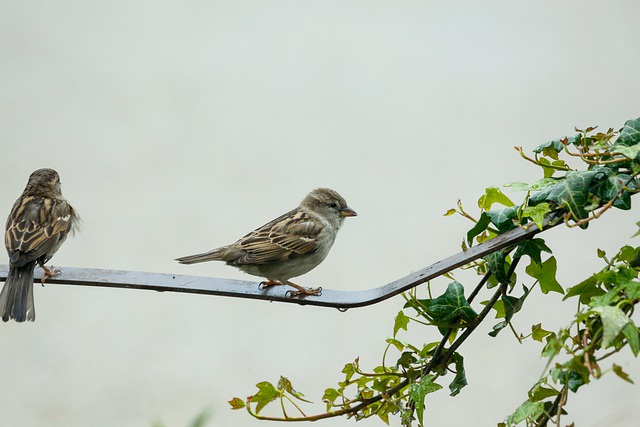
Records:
x=179, y=126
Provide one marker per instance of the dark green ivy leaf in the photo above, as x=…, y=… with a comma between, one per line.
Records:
x=630, y=134
x=586, y=289
x=451, y=306
x=498, y=266
x=503, y=218
x=571, y=194
x=460, y=380
x=480, y=226
x=532, y=248
x=512, y=305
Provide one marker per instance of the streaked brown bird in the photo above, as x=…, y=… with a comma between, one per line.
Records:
x=37, y=226
x=289, y=246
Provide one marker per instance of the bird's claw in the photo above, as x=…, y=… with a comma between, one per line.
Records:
x=303, y=292
x=48, y=272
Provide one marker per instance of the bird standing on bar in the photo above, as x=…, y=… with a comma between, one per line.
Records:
x=290, y=245
x=37, y=226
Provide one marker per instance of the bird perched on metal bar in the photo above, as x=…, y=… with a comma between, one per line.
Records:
x=289, y=246
x=37, y=226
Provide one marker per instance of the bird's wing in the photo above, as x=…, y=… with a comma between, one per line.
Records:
x=35, y=228
x=292, y=235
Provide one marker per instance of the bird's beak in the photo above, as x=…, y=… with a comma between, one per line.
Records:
x=347, y=212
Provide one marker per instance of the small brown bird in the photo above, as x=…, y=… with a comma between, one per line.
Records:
x=37, y=226
x=290, y=245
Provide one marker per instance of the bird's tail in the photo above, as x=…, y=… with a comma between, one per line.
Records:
x=16, y=298
x=214, y=255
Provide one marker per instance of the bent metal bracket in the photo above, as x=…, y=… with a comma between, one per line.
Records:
x=248, y=289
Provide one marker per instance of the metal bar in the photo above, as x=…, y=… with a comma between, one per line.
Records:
x=247, y=289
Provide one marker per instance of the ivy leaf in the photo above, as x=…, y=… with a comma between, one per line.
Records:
x=572, y=193
x=401, y=322
x=503, y=218
x=497, y=264
x=572, y=378
x=537, y=213
x=613, y=321
x=451, y=306
x=535, y=186
x=460, y=380
x=418, y=391
x=586, y=289
x=540, y=393
x=532, y=248
x=630, y=134
x=546, y=148
x=633, y=337
x=612, y=187
x=545, y=274
x=480, y=226
x=537, y=333
x=267, y=393
x=628, y=151
x=236, y=403
x=622, y=374
x=330, y=395
x=512, y=305
x=285, y=385
x=528, y=409
x=493, y=195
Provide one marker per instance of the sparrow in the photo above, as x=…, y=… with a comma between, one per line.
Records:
x=38, y=224
x=289, y=246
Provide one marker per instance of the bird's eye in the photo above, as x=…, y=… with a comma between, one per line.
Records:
x=333, y=205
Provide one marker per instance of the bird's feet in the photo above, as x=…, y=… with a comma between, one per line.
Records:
x=301, y=291
x=48, y=272
x=265, y=284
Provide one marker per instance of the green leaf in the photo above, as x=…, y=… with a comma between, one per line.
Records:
x=503, y=218
x=555, y=145
x=267, y=393
x=586, y=289
x=532, y=248
x=539, y=393
x=349, y=370
x=330, y=395
x=613, y=321
x=451, y=306
x=236, y=403
x=497, y=263
x=418, y=391
x=612, y=187
x=571, y=377
x=537, y=333
x=545, y=274
x=622, y=374
x=537, y=213
x=633, y=338
x=528, y=410
x=493, y=195
x=511, y=306
x=571, y=193
x=630, y=134
x=460, y=380
x=285, y=385
x=628, y=151
x=535, y=186
x=401, y=322
x=480, y=226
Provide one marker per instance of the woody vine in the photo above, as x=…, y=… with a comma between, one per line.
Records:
x=583, y=176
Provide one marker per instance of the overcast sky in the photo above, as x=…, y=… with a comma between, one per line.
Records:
x=178, y=127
